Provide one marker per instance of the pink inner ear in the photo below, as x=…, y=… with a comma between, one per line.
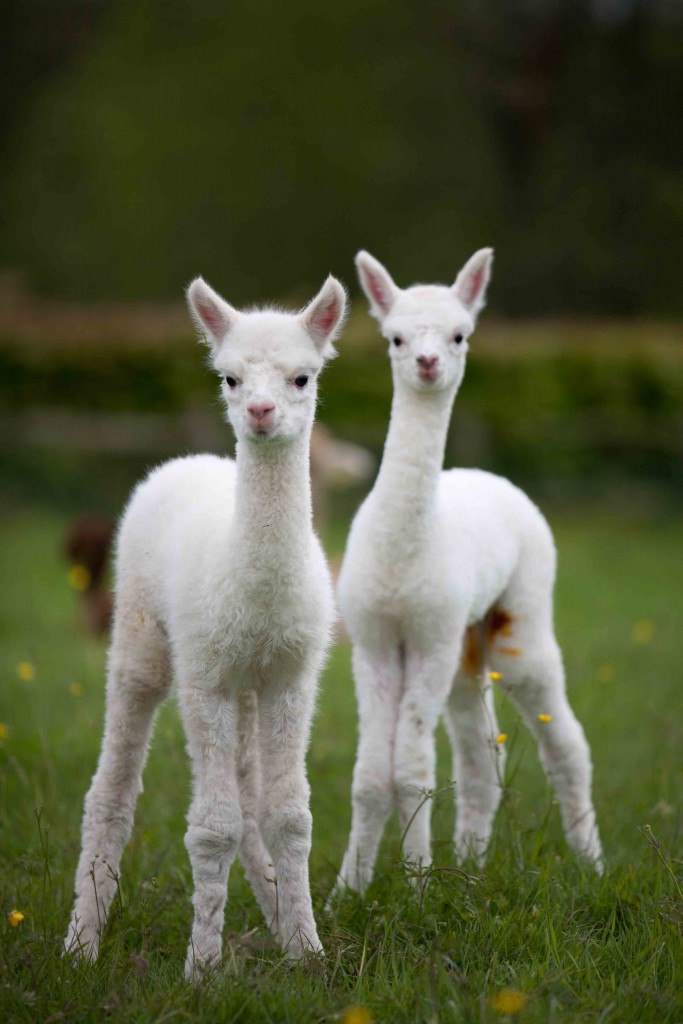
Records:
x=211, y=318
x=475, y=284
x=325, y=318
x=378, y=293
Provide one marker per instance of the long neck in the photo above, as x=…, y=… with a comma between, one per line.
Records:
x=272, y=502
x=413, y=456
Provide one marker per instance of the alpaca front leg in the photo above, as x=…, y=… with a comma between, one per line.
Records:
x=478, y=762
x=285, y=818
x=378, y=679
x=427, y=682
x=138, y=682
x=214, y=819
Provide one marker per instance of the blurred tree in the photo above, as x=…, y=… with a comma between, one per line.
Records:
x=262, y=144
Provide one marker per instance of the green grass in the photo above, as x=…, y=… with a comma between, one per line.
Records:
x=581, y=948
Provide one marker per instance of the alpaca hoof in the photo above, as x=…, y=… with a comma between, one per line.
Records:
x=82, y=943
x=198, y=968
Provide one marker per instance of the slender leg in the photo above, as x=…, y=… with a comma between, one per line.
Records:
x=256, y=860
x=378, y=677
x=478, y=762
x=215, y=818
x=427, y=684
x=138, y=680
x=285, y=712
x=530, y=663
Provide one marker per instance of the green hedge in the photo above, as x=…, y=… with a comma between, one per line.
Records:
x=571, y=414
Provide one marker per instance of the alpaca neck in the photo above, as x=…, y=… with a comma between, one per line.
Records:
x=272, y=502
x=408, y=479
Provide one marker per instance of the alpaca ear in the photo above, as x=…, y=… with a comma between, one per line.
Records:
x=323, y=317
x=212, y=315
x=472, y=281
x=377, y=284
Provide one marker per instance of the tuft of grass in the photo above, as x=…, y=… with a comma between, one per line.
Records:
x=532, y=937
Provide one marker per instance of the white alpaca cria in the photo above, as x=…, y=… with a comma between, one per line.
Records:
x=222, y=588
x=447, y=582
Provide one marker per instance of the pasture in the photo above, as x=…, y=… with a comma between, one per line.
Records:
x=533, y=937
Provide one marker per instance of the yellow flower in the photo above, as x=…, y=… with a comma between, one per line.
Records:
x=75, y=689
x=26, y=671
x=545, y=718
x=356, y=1015
x=501, y=738
x=495, y=676
x=15, y=917
x=4, y=731
x=643, y=631
x=79, y=577
x=605, y=674
x=508, y=1002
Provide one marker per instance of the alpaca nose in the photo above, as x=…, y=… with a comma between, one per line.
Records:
x=262, y=414
x=428, y=367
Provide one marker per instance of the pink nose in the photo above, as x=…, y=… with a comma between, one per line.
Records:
x=262, y=413
x=428, y=362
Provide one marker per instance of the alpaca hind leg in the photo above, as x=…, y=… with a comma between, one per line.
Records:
x=428, y=679
x=138, y=680
x=378, y=678
x=256, y=860
x=215, y=817
x=530, y=663
x=285, y=712
x=478, y=761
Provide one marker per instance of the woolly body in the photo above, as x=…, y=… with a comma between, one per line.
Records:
x=447, y=575
x=222, y=587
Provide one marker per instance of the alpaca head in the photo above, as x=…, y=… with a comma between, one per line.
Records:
x=427, y=326
x=267, y=360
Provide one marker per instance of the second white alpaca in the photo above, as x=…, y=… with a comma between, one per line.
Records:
x=447, y=580
x=222, y=587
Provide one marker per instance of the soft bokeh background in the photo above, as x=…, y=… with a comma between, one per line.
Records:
x=261, y=144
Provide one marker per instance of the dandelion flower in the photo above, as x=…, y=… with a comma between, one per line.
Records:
x=26, y=671
x=605, y=674
x=79, y=577
x=545, y=719
x=15, y=917
x=501, y=738
x=75, y=689
x=4, y=731
x=508, y=1002
x=356, y=1015
x=643, y=631
x=495, y=676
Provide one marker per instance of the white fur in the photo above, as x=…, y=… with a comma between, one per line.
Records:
x=435, y=561
x=222, y=587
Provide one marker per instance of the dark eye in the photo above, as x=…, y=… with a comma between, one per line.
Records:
x=301, y=381
x=231, y=382
x=458, y=338
x=397, y=341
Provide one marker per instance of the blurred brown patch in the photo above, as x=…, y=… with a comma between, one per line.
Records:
x=88, y=543
x=472, y=660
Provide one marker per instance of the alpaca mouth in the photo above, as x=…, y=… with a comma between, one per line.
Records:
x=428, y=375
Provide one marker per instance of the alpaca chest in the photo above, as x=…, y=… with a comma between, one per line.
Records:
x=409, y=589
x=268, y=629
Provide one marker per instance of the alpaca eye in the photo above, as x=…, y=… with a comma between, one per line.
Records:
x=458, y=338
x=397, y=341
x=301, y=381
x=231, y=382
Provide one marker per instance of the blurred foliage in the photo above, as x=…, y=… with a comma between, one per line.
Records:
x=574, y=405
x=262, y=144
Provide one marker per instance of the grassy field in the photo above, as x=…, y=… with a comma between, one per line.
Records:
x=569, y=946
